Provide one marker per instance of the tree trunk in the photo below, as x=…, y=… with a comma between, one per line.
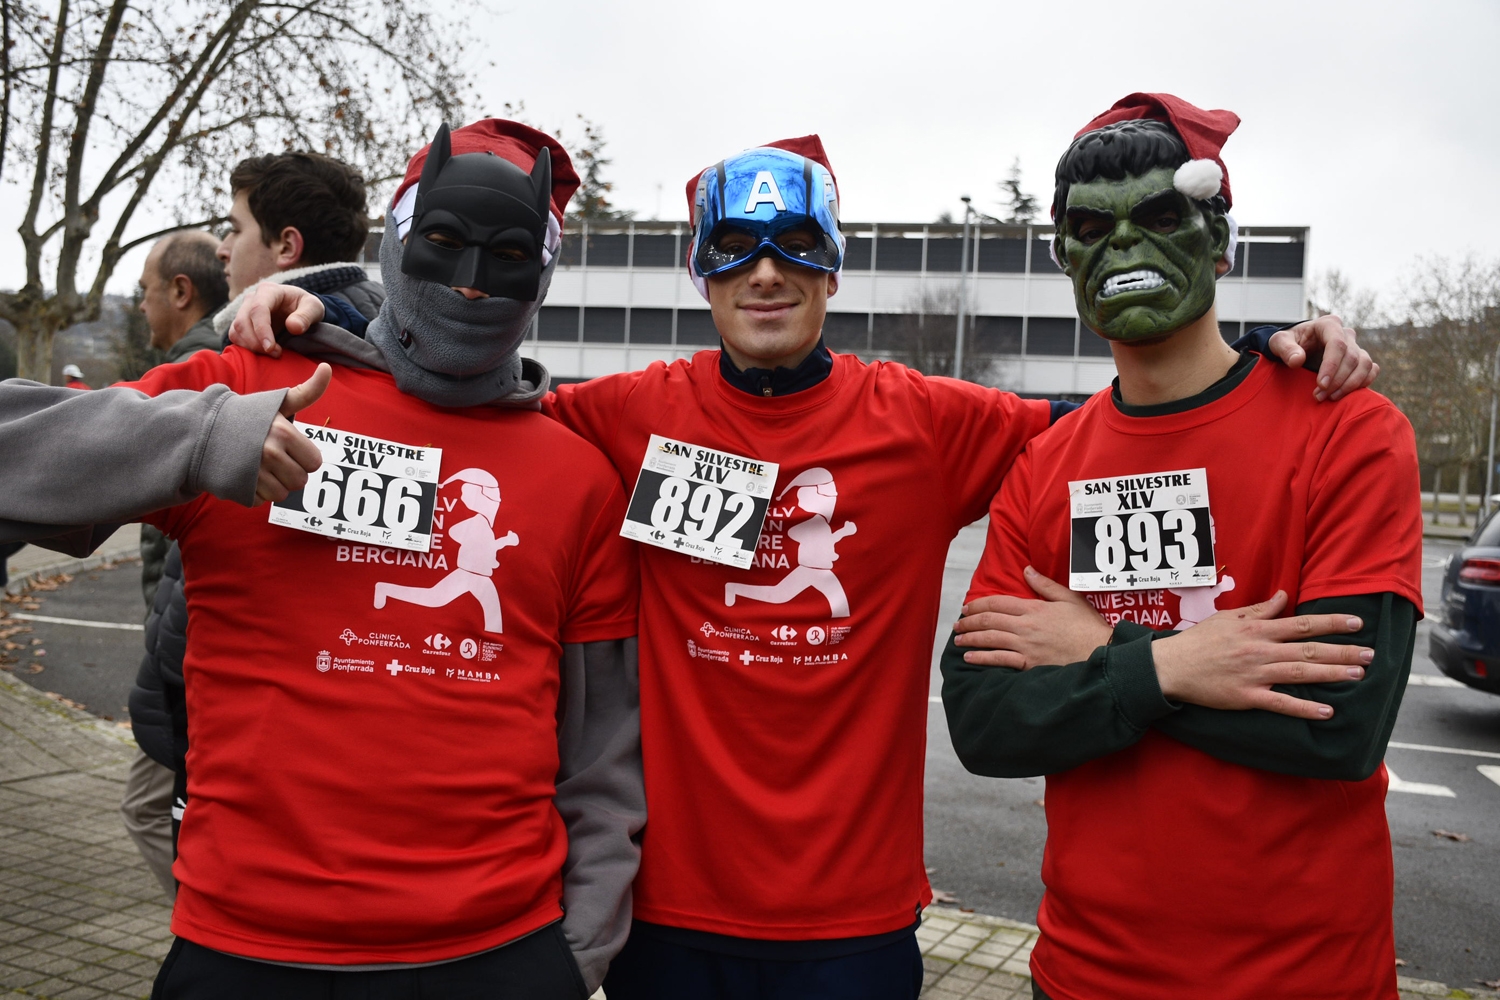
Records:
x=34, y=348
x=1463, y=495
x=1437, y=489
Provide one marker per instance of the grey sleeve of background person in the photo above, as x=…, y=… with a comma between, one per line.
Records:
x=601, y=795
x=76, y=463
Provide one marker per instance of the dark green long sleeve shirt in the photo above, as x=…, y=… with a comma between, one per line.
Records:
x=1010, y=723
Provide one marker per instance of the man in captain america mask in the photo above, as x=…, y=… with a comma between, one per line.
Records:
x=773, y=201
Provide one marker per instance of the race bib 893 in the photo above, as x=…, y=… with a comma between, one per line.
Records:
x=367, y=489
x=1141, y=531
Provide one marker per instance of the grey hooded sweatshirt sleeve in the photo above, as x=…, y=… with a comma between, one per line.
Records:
x=601, y=795
x=74, y=460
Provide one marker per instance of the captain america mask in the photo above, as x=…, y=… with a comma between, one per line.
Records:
x=766, y=201
x=479, y=222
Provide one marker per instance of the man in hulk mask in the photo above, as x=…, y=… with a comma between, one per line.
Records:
x=1202, y=841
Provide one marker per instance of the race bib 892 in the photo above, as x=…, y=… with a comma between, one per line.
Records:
x=367, y=490
x=700, y=501
x=1141, y=531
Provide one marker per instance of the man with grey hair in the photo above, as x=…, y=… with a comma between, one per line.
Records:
x=182, y=286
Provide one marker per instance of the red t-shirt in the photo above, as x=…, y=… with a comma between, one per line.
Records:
x=374, y=784
x=1171, y=873
x=784, y=735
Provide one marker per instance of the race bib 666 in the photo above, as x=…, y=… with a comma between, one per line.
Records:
x=367, y=489
x=1141, y=531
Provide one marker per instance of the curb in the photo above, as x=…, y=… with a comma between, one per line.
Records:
x=23, y=582
x=52, y=705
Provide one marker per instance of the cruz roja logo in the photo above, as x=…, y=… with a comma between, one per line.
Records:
x=324, y=661
x=395, y=666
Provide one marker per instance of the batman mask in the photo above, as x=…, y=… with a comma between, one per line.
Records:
x=480, y=222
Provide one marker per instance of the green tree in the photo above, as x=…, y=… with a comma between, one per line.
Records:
x=592, y=203
x=1021, y=208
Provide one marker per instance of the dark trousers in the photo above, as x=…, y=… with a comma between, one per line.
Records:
x=537, y=967
x=651, y=969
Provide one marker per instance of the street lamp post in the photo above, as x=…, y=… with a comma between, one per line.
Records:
x=1489, y=467
x=963, y=273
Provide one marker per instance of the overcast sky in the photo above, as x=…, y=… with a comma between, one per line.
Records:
x=1372, y=122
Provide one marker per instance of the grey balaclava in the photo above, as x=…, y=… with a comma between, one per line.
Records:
x=442, y=347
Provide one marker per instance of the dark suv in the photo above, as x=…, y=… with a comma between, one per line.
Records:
x=1465, y=637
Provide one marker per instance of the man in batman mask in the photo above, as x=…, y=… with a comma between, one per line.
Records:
x=392, y=789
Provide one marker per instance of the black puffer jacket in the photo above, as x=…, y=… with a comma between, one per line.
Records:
x=158, y=711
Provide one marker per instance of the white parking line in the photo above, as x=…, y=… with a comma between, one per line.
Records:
x=1417, y=787
x=1433, y=681
x=77, y=621
x=1488, y=770
x=1431, y=749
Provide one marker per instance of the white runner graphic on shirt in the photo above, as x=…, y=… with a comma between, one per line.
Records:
x=817, y=494
x=1138, y=531
x=477, y=546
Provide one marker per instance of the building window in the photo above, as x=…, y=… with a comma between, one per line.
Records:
x=557, y=323
x=1002, y=256
x=603, y=325
x=650, y=326
x=1091, y=345
x=656, y=250
x=857, y=253
x=1049, y=336
x=997, y=334
x=847, y=332
x=1229, y=330
x=696, y=327
x=943, y=253
x=898, y=253
x=1275, y=260
x=609, y=250
x=572, y=250
x=1041, y=259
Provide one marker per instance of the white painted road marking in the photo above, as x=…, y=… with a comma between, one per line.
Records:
x=1489, y=771
x=76, y=621
x=1433, y=681
x=1417, y=787
x=1430, y=749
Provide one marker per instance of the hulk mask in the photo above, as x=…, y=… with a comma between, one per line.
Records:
x=1142, y=256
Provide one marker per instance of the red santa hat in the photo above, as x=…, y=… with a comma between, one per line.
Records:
x=809, y=146
x=1203, y=133
x=517, y=143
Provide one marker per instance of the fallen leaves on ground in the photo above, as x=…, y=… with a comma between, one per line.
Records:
x=66, y=701
x=1493, y=984
x=35, y=668
x=1461, y=838
x=939, y=896
x=1400, y=962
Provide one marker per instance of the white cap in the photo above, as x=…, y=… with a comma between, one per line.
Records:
x=72, y=371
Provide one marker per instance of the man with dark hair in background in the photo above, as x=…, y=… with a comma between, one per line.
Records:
x=300, y=217
x=182, y=285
